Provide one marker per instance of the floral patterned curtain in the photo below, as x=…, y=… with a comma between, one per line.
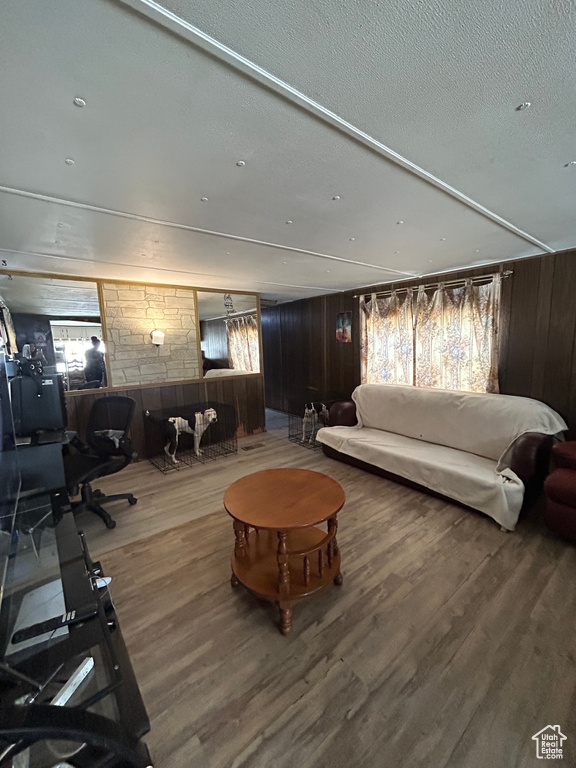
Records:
x=457, y=337
x=448, y=340
x=243, y=346
x=387, y=351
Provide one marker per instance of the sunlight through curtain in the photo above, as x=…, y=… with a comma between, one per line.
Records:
x=457, y=337
x=387, y=339
x=448, y=340
x=243, y=347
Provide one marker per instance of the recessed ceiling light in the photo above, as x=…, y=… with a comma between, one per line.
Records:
x=57, y=242
x=477, y=250
x=572, y=162
x=79, y=102
x=327, y=271
x=227, y=253
x=429, y=261
x=69, y=161
x=396, y=252
x=336, y=197
x=204, y=199
x=60, y=224
x=442, y=239
x=289, y=221
x=284, y=262
x=400, y=222
x=524, y=105
x=240, y=163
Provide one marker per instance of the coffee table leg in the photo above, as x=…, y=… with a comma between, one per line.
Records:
x=240, y=534
x=283, y=568
x=338, y=579
x=285, y=618
x=234, y=581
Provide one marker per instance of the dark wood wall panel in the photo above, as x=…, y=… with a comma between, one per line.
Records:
x=214, y=341
x=294, y=349
x=516, y=371
x=273, y=355
x=246, y=394
x=543, y=312
x=537, y=338
x=558, y=380
x=342, y=359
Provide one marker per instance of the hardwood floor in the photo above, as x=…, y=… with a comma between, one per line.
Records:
x=448, y=646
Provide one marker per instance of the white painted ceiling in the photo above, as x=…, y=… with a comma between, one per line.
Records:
x=211, y=305
x=50, y=296
x=404, y=111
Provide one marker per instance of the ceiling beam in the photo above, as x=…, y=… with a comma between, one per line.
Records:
x=165, y=18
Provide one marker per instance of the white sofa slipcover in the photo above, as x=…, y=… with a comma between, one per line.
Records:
x=458, y=444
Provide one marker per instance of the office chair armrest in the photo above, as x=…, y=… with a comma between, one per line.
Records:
x=75, y=442
x=127, y=448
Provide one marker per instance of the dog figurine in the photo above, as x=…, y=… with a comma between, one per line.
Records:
x=174, y=425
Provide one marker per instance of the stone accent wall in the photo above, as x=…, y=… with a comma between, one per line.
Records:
x=131, y=312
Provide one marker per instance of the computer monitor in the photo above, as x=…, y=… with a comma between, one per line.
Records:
x=38, y=404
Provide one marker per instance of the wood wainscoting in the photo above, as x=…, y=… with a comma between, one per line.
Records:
x=245, y=393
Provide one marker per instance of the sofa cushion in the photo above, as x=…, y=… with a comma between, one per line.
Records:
x=463, y=476
x=482, y=424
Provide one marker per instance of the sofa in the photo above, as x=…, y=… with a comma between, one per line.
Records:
x=485, y=451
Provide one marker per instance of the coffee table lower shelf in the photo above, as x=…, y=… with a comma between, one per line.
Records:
x=286, y=567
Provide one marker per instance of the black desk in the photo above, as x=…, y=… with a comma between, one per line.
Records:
x=48, y=571
x=41, y=468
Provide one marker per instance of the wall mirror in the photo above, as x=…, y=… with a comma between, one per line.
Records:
x=58, y=322
x=229, y=333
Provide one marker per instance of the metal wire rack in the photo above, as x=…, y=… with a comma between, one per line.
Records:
x=218, y=439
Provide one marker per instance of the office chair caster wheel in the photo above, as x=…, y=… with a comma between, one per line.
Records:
x=132, y=501
x=111, y=524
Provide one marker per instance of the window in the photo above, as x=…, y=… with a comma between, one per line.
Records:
x=447, y=339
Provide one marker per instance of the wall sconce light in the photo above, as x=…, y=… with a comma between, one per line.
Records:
x=157, y=338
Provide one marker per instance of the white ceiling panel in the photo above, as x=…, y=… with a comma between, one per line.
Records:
x=166, y=124
x=212, y=305
x=130, y=249
x=50, y=296
x=136, y=250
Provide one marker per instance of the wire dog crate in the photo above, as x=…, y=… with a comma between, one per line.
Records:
x=303, y=429
x=216, y=427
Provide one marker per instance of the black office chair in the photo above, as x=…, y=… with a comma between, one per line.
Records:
x=107, y=450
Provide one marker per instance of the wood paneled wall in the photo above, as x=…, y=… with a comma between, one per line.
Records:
x=246, y=394
x=303, y=361
x=214, y=341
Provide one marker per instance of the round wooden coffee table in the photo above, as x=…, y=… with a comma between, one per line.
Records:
x=280, y=554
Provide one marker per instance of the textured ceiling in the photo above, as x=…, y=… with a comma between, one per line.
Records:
x=166, y=123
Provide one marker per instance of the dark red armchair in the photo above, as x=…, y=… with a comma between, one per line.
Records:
x=560, y=490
